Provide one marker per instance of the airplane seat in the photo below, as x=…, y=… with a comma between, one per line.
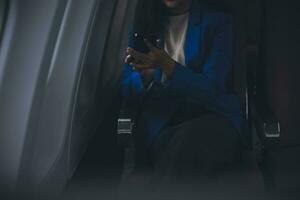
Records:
x=247, y=173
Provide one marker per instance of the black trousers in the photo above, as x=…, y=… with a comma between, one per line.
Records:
x=201, y=147
x=194, y=149
x=191, y=157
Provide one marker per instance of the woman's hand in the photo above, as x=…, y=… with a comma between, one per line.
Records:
x=156, y=58
x=146, y=74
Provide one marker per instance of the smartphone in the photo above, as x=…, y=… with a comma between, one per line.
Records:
x=139, y=43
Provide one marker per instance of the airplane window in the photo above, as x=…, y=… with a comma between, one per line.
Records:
x=87, y=115
x=3, y=10
x=109, y=39
x=101, y=69
x=118, y=41
x=92, y=62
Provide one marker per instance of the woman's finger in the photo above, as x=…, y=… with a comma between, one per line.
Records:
x=149, y=45
x=158, y=43
x=139, y=66
x=147, y=72
x=137, y=55
x=129, y=59
x=136, y=66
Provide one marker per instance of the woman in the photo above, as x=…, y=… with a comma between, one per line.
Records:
x=188, y=124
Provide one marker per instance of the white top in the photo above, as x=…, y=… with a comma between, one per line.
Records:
x=175, y=37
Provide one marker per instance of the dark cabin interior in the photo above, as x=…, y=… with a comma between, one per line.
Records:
x=91, y=163
x=267, y=36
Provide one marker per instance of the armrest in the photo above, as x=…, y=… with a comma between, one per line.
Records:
x=126, y=121
x=266, y=123
x=126, y=124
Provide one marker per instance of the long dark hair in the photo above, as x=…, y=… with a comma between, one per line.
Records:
x=150, y=17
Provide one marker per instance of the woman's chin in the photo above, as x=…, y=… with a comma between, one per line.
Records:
x=171, y=3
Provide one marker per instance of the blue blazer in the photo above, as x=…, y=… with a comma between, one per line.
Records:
x=208, y=58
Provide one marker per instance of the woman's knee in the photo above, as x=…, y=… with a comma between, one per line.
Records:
x=208, y=129
x=208, y=138
x=217, y=142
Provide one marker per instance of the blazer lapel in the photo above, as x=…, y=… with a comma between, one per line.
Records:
x=192, y=44
x=193, y=37
x=157, y=72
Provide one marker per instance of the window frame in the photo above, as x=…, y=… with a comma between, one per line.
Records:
x=3, y=16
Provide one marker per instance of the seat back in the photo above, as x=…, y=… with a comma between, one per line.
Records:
x=236, y=81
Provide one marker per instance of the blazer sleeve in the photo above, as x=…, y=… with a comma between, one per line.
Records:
x=204, y=87
x=131, y=81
